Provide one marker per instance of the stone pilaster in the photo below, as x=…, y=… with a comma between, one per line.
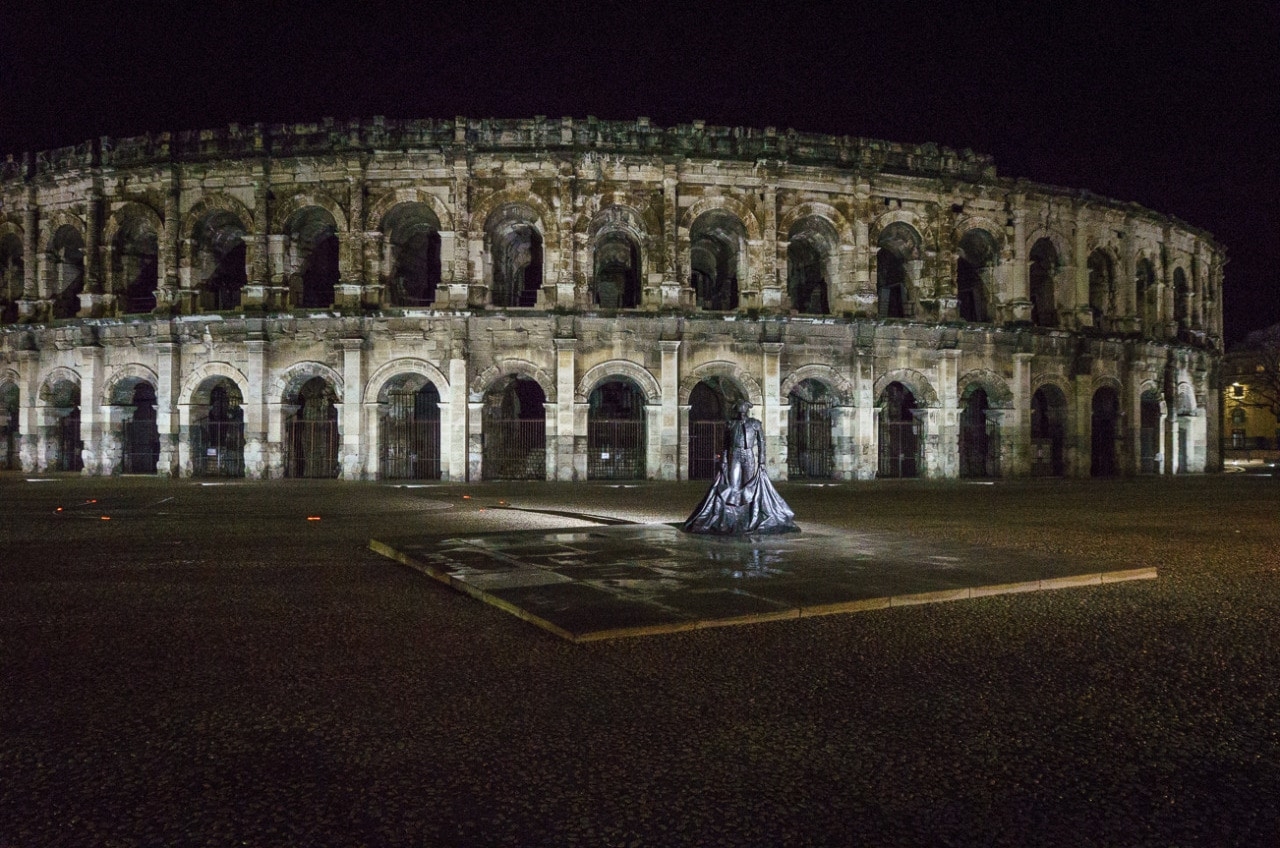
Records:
x=773, y=416
x=570, y=462
x=667, y=462
x=352, y=390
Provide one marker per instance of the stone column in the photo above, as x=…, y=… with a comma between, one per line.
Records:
x=772, y=289
x=352, y=389
x=674, y=291
x=170, y=257
x=864, y=287
x=667, y=433
x=167, y=391
x=91, y=300
x=844, y=423
x=1079, y=441
x=773, y=416
x=88, y=355
x=867, y=416
x=28, y=422
x=28, y=306
x=453, y=419
x=948, y=419
x=475, y=440
x=1080, y=276
x=1018, y=423
x=567, y=459
x=257, y=454
x=1016, y=273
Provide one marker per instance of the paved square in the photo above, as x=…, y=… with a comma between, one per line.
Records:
x=587, y=584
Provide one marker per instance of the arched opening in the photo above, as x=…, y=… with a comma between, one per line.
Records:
x=812, y=246
x=66, y=258
x=311, y=448
x=709, y=405
x=979, y=436
x=617, y=271
x=1104, y=461
x=218, y=262
x=135, y=264
x=899, y=244
x=1145, y=294
x=515, y=430
x=413, y=237
x=1048, y=432
x=717, y=250
x=1181, y=300
x=1102, y=288
x=410, y=430
x=64, y=433
x=616, y=438
x=12, y=279
x=1042, y=289
x=975, y=268
x=9, y=427
x=140, y=441
x=810, y=432
x=899, y=433
x=312, y=244
x=515, y=245
x=1149, y=432
x=217, y=436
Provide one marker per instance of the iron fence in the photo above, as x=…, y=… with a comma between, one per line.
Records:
x=615, y=449
x=515, y=449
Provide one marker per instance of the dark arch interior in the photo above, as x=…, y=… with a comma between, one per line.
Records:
x=617, y=271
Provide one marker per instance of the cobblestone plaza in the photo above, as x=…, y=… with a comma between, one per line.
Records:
x=224, y=663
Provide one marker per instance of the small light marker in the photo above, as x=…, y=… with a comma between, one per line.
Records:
x=313, y=518
x=105, y=517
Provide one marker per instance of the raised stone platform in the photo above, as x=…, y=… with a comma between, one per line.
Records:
x=593, y=583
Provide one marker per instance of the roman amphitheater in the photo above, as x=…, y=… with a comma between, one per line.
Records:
x=571, y=299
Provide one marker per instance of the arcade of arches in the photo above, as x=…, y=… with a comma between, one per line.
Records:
x=561, y=299
x=548, y=406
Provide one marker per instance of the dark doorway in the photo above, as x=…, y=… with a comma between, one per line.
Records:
x=141, y=439
x=1048, y=432
x=810, y=442
x=312, y=433
x=515, y=431
x=9, y=427
x=217, y=446
x=1106, y=420
x=979, y=437
x=616, y=441
x=899, y=433
x=708, y=412
x=411, y=434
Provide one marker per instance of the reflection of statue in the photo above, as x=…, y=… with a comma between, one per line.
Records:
x=741, y=500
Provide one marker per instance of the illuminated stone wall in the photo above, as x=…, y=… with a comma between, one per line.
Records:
x=770, y=265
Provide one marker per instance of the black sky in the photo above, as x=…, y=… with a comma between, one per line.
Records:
x=1176, y=108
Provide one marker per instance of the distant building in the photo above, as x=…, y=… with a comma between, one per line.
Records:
x=1251, y=388
x=569, y=299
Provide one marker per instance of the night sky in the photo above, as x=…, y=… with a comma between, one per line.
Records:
x=1177, y=110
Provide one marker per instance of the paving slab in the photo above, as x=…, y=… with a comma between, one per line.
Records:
x=591, y=583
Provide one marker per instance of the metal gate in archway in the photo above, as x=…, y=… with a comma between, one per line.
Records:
x=217, y=449
x=810, y=447
x=616, y=441
x=70, y=445
x=515, y=449
x=141, y=446
x=411, y=436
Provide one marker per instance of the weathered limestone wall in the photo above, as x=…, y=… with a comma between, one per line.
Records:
x=757, y=260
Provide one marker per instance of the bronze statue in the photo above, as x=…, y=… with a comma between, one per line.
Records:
x=741, y=500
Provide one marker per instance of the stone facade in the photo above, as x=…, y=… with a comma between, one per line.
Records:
x=318, y=300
